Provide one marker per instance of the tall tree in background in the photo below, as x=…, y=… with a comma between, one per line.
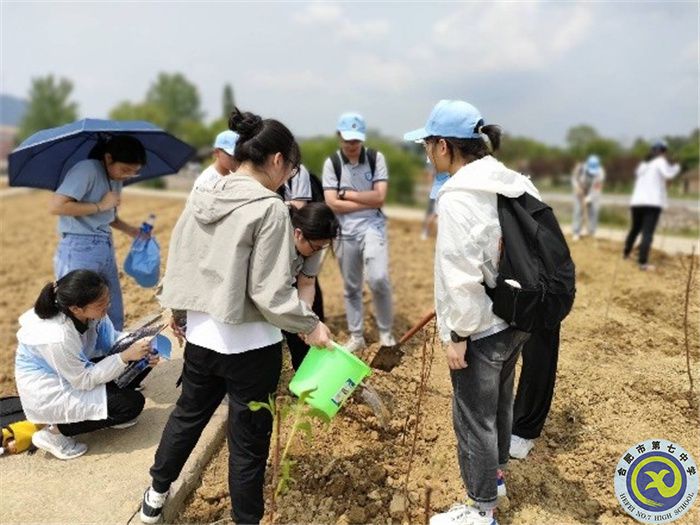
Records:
x=228, y=102
x=129, y=111
x=49, y=105
x=580, y=137
x=178, y=98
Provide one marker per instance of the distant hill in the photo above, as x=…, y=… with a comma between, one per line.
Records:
x=11, y=110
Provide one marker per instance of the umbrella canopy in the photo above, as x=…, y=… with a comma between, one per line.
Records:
x=43, y=160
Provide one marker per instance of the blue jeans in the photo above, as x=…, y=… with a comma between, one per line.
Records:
x=96, y=253
x=482, y=411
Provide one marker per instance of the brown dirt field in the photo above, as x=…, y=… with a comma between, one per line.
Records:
x=620, y=381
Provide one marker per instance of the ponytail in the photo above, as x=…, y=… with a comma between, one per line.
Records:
x=259, y=138
x=46, y=306
x=77, y=288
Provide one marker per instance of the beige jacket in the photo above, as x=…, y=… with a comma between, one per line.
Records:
x=231, y=255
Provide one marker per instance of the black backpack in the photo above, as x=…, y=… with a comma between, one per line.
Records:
x=337, y=162
x=535, y=254
x=316, y=188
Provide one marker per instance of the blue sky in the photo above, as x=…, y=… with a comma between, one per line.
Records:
x=627, y=68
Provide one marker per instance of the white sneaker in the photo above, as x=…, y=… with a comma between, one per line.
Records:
x=126, y=424
x=461, y=514
x=520, y=447
x=386, y=339
x=62, y=447
x=355, y=343
x=577, y=237
x=152, y=506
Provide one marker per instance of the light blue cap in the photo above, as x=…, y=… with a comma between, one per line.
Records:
x=450, y=118
x=352, y=126
x=226, y=140
x=593, y=162
x=660, y=145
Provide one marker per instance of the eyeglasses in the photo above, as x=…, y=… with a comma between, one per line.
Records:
x=316, y=248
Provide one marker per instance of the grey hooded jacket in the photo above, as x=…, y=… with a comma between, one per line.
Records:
x=231, y=255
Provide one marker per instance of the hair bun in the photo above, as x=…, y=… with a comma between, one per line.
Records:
x=247, y=124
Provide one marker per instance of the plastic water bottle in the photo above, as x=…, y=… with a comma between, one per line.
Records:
x=147, y=225
x=132, y=370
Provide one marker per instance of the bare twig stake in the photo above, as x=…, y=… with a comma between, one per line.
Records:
x=688, y=286
x=426, y=365
x=275, y=460
x=612, y=288
x=428, y=493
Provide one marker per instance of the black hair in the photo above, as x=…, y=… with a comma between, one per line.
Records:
x=259, y=138
x=77, y=288
x=316, y=221
x=122, y=148
x=476, y=148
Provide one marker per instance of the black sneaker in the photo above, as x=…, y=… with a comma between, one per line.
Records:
x=152, y=506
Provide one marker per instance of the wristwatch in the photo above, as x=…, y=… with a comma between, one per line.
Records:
x=341, y=194
x=456, y=338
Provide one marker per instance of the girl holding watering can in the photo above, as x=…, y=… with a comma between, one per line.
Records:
x=230, y=267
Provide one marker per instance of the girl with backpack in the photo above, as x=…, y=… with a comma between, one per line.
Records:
x=57, y=383
x=481, y=348
x=86, y=202
x=230, y=268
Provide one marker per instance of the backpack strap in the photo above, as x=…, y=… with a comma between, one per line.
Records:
x=372, y=160
x=337, y=167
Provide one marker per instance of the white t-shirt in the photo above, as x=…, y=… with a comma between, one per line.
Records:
x=208, y=178
x=204, y=330
x=650, y=184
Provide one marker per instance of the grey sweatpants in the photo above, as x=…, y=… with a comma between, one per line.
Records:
x=482, y=411
x=371, y=253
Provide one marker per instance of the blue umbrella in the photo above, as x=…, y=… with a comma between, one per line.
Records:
x=43, y=160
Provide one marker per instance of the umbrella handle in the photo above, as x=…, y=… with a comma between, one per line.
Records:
x=417, y=327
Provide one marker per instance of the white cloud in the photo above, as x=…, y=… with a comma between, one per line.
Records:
x=359, y=31
x=317, y=13
x=298, y=81
x=375, y=73
x=337, y=21
x=510, y=36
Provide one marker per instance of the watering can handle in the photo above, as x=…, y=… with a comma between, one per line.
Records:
x=417, y=327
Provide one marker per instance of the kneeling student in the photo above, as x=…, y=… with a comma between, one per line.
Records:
x=58, y=385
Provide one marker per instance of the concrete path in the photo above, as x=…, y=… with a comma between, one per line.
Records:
x=107, y=483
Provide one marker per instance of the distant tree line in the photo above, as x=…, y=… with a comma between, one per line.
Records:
x=173, y=103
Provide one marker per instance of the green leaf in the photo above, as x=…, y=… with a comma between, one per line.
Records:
x=254, y=406
x=305, y=427
x=315, y=413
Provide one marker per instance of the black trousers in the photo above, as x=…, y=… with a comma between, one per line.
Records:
x=206, y=377
x=536, y=385
x=644, y=220
x=123, y=404
x=297, y=347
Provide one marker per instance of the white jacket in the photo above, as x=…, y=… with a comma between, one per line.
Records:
x=55, y=380
x=467, y=249
x=650, y=184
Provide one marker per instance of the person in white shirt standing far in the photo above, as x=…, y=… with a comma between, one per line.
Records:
x=648, y=200
x=481, y=348
x=355, y=181
x=224, y=164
